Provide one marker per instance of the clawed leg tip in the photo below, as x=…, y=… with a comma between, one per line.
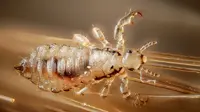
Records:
x=139, y=100
x=139, y=13
x=126, y=95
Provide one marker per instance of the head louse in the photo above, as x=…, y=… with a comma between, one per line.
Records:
x=62, y=67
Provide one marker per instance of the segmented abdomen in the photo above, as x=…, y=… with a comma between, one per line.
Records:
x=60, y=67
x=56, y=67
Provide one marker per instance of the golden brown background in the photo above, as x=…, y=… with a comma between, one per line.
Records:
x=25, y=24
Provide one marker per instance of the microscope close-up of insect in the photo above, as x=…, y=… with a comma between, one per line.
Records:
x=99, y=56
x=59, y=68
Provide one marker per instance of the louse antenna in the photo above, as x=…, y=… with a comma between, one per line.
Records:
x=147, y=45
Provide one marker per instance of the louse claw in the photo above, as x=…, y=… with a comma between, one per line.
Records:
x=139, y=100
x=139, y=13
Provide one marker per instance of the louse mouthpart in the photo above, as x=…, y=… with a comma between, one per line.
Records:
x=21, y=70
x=18, y=68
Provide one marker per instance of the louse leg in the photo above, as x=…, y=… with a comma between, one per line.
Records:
x=82, y=90
x=142, y=69
x=139, y=100
x=144, y=47
x=124, y=85
x=81, y=39
x=98, y=34
x=136, y=98
x=106, y=88
x=142, y=79
x=119, y=28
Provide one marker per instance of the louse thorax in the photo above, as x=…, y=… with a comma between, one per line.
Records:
x=105, y=60
x=133, y=59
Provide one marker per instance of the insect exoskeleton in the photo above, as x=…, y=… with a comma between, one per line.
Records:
x=60, y=67
x=63, y=67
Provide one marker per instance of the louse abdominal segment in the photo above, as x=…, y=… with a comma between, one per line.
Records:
x=59, y=68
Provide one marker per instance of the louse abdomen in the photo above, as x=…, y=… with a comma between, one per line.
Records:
x=60, y=67
x=55, y=67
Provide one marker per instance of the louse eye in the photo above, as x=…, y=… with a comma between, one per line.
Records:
x=130, y=51
x=131, y=69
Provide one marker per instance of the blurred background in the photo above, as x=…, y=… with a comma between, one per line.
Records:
x=25, y=24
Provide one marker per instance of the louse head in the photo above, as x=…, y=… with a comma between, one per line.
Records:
x=132, y=60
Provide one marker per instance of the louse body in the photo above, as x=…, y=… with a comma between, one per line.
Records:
x=62, y=67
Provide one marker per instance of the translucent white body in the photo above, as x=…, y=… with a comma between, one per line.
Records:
x=80, y=63
x=61, y=67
